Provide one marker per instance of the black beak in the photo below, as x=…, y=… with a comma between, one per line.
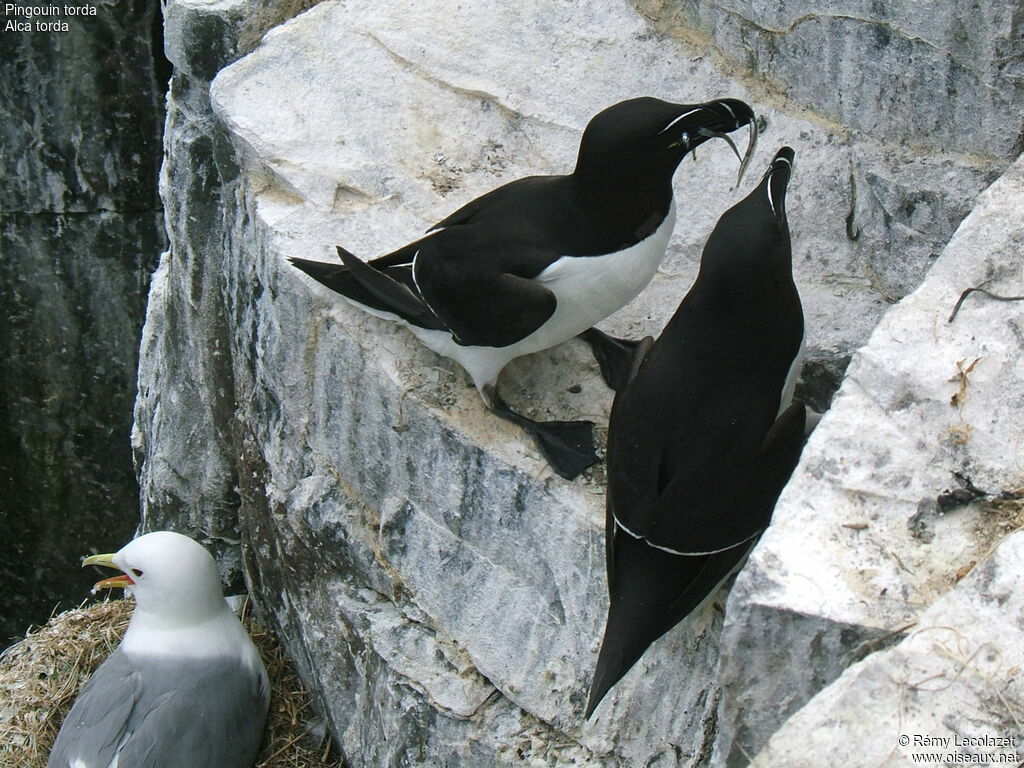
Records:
x=696, y=123
x=776, y=180
x=727, y=115
x=714, y=119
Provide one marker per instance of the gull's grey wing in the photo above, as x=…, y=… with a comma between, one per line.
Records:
x=97, y=721
x=166, y=713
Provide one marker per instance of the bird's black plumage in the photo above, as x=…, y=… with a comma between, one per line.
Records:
x=525, y=266
x=703, y=439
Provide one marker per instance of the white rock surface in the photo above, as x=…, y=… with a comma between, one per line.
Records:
x=857, y=549
x=951, y=693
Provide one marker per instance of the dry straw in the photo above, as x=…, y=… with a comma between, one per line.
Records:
x=40, y=677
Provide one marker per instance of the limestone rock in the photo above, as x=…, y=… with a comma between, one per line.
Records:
x=946, y=75
x=929, y=98
x=467, y=528
x=860, y=544
x=184, y=410
x=949, y=694
x=83, y=131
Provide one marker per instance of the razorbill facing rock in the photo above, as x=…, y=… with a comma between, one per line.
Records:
x=704, y=437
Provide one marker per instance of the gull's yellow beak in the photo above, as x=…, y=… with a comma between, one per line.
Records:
x=114, y=582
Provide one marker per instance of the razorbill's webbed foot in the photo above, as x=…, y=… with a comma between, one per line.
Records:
x=617, y=358
x=568, y=446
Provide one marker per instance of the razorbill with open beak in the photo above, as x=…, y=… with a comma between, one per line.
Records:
x=186, y=687
x=704, y=437
x=542, y=259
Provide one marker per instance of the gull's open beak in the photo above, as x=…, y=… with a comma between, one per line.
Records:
x=114, y=582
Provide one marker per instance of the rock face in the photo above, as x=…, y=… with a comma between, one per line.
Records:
x=928, y=98
x=866, y=536
x=440, y=589
x=184, y=437
x=948, y=694
x=947, y=77
x=80, y=230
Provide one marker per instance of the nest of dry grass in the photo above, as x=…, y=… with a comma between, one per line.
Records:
x=40, y=677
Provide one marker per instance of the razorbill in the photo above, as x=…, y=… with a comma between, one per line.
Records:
x=704, y=437
x=186, y=687
x=542, y=259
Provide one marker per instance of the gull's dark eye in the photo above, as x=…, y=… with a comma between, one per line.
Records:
x=136, y=572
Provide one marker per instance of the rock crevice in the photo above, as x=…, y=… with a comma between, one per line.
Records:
x=80, y=230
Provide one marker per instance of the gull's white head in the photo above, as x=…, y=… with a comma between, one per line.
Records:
x=170, y=575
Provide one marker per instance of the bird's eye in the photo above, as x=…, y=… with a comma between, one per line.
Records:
x=136, y=572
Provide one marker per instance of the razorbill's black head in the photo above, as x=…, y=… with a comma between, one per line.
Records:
x=543, y=259
x=650, y=137
x=704, y=437
x=751, y=238
x=629, y=152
